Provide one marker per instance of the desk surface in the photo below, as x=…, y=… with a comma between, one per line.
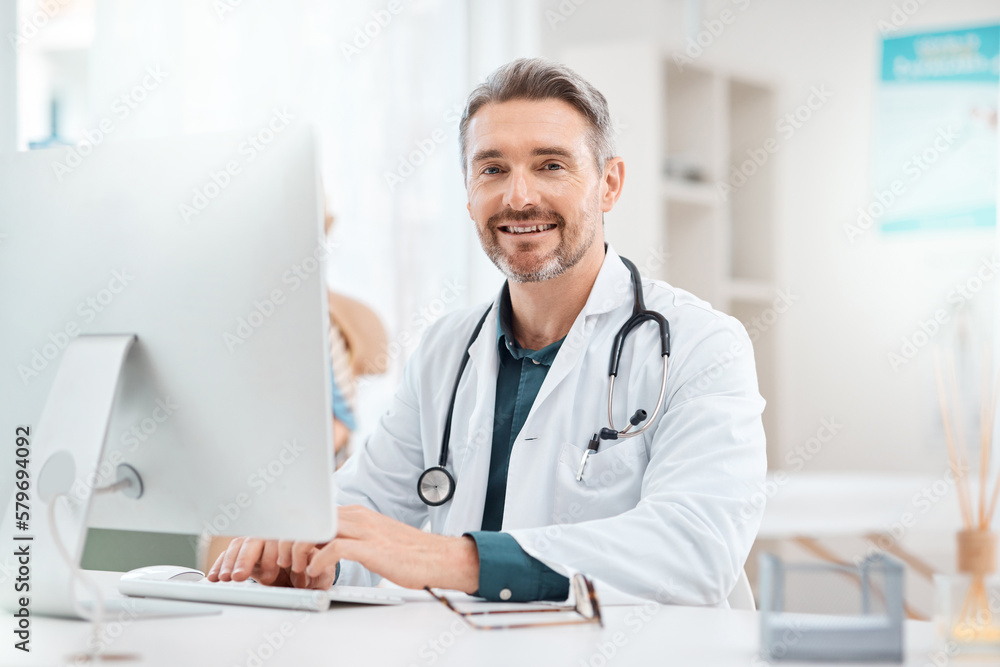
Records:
x=417, y=633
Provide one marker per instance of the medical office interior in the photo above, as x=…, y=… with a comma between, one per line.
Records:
x=779, y=164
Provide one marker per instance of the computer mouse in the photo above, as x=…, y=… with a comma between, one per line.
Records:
x=163, y=573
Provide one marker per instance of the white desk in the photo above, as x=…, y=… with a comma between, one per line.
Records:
x=419, y=633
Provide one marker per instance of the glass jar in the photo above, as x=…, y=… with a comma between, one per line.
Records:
x=967, y=612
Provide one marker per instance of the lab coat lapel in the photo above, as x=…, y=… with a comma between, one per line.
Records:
x=472, y=455
x=611, y=288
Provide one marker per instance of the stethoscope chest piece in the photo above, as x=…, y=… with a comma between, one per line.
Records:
x=436, y=486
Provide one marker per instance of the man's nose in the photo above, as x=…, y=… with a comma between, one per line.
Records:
x=521, y=192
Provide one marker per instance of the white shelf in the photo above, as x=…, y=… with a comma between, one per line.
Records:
x=707, y=118
x=690, y=192
x=751, y=291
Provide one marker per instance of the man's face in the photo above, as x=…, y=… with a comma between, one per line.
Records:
x=533, y=186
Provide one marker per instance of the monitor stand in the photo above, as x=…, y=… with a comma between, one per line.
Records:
x=67, y=445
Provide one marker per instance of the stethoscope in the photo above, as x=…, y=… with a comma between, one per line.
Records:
x=436, y=485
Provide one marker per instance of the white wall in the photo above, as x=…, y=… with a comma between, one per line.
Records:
x=8, y=87
x=406, y=248
x=856, y=301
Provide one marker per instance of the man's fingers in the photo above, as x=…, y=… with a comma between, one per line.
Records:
x=323, y=581
x=229, y=558
x=299, y=580
x=300, y=556
x=285, y=553
x=323, y=565
x=247, y=559
x=213, y=573
x=268, y=566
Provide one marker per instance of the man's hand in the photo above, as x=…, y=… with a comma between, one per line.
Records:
x=271, y=562
x=402, y=554
x=405, y=555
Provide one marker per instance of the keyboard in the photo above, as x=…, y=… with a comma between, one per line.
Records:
x=252, y=594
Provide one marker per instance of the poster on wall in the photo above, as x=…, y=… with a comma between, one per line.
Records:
x=936, y=144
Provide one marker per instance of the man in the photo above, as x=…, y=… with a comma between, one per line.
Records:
x=662, y=515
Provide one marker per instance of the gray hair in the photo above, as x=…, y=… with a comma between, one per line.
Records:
x=540, y=79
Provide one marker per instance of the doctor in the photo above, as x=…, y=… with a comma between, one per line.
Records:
x=663, y=515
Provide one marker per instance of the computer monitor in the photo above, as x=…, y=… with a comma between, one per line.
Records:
x=210, y=251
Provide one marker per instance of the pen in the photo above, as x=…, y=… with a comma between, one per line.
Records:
x=592, y=448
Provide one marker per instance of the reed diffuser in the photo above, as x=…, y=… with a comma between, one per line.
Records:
x=974, y=622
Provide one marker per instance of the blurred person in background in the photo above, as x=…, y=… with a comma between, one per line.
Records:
x=357, y=347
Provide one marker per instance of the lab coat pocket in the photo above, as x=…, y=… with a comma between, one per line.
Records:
x=612, y=481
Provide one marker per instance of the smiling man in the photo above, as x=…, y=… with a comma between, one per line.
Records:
x=520, y=505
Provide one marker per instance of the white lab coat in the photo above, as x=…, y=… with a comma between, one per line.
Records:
x=666, y=515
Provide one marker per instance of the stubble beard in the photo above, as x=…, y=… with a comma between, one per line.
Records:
x=573, y=246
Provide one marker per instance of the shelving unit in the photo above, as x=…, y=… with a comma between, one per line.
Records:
x=690, y=192
x=683, y=131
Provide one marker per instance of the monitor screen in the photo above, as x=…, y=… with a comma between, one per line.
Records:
x=210, y=250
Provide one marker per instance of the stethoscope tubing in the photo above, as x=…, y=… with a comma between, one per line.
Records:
x=639, y=316
x=626, y=432
x=443, y=458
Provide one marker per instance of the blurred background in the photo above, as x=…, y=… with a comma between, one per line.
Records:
x=826, y=171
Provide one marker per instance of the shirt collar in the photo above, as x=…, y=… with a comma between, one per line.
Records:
x=612, y=287
x=505, y=335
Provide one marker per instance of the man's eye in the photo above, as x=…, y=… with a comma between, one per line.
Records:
x=552, y=166
x=491, y=170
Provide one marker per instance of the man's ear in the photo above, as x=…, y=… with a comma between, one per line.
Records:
x=612, y=182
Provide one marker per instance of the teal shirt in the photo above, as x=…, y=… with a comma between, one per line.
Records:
x=503, y=564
